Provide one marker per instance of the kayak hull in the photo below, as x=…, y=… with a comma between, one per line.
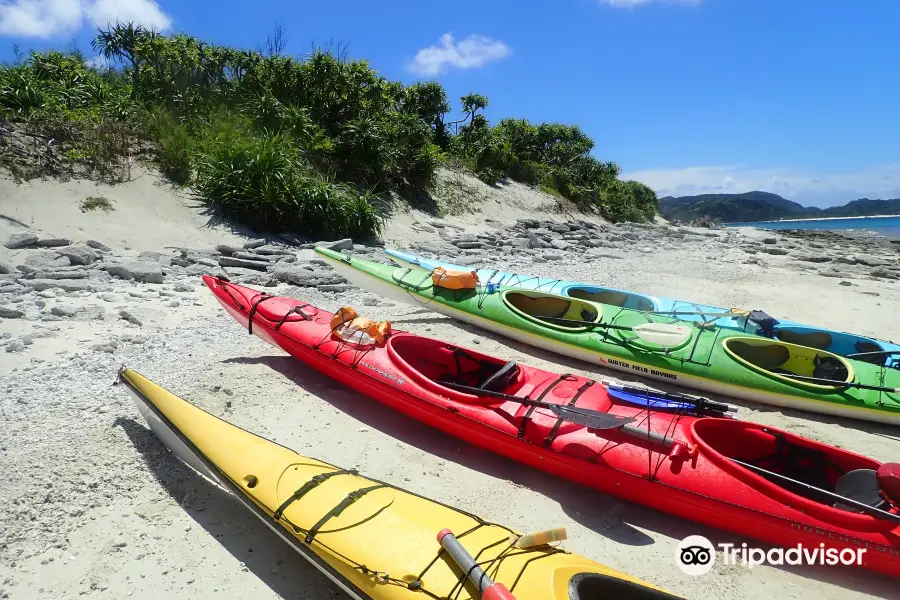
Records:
x=394, y=531
x=840, y=342
x=700, y=490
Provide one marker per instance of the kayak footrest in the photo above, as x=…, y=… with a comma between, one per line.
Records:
x=306, y=487
x=337, y=510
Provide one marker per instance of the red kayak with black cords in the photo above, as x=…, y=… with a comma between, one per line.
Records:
x=675, y=453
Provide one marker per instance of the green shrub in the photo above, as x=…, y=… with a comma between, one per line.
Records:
x=264, y=182
x=173, y=151
x=92, y=203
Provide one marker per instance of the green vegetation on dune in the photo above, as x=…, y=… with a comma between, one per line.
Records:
x=279, y=143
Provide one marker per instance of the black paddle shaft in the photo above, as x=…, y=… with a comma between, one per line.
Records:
x=583, y=323
x=589, y=418
x=870, y=510
x=834, y=383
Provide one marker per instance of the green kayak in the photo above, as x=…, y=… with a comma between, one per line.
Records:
x=706, y=358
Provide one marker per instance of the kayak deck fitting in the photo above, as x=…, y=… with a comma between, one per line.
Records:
x=705, y=360
x=836, y=342
x=372, y=539
x=717, y=471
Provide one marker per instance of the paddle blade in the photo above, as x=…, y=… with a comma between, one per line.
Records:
x=589, y=418
x=668, y=335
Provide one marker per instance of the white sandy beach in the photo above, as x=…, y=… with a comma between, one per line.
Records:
x=94, y=507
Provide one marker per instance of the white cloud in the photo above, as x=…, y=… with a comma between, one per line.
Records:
x=810, y=189
x=635, y=3
x=143, y=12
x=469, y=53
x=55, y=18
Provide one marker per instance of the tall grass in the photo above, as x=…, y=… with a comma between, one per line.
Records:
x=263, y=181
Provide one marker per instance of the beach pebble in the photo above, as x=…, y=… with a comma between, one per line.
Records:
x=344, y=244
x=130, y=317
x=67, y=285
x=53, y=241
x=98, y=245
x=10, y=313
x=78, y=255
x=21, y=240
x=813, y=258
x=871, y=261
x=144, y=271
x=259, y=265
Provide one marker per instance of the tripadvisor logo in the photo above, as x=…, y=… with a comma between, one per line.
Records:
x=696, y=555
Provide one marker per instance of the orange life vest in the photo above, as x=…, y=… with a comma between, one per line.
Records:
x=347, y=325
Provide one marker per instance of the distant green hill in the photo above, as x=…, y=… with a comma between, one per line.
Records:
x=864, y=207
x=763, y=206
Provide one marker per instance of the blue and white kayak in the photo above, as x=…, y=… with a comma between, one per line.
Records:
x=755, y=322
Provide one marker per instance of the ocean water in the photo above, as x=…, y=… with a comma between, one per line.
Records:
x=885, y=226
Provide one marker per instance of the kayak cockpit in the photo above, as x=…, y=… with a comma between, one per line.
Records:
x=798, y=471
x=611, y=296
x=790, y=362
x=559, y=312
x=597, y=586
x=439, y=365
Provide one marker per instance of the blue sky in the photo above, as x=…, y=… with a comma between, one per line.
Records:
x=798, y=97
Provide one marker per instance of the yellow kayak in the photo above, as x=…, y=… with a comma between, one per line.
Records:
x=370, y=538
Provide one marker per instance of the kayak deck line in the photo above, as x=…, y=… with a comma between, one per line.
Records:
x=202, y=441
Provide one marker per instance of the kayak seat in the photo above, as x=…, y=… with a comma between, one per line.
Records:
x=501, y=379
x=595, y=586
x=814, y=339
x=861, y=485
x=768, y=357
x=827, y=367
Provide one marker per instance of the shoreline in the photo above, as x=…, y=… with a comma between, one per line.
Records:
x=752, y=223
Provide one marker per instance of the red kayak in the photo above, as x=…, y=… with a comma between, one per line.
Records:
x=742, y=477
